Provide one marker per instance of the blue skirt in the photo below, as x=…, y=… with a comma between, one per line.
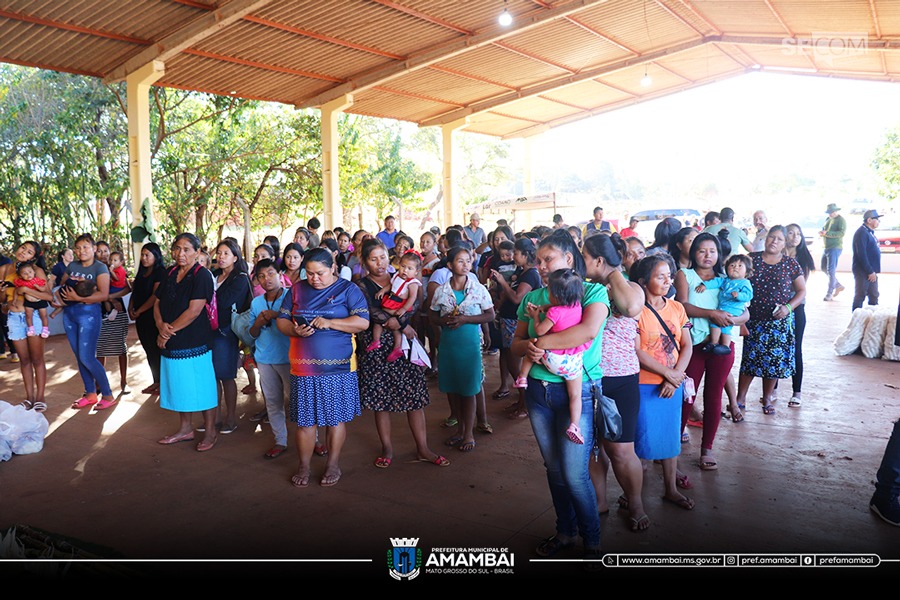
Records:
x=225, y=354
x=188, y=384
x=324, y=400
x=658, y=432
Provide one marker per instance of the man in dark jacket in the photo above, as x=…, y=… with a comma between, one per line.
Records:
x=866, y=260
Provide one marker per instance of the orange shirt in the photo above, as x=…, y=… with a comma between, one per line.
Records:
x=655, y=341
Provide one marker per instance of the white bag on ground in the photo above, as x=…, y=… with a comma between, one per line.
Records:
x=848, y=341
x=872, y=344
x=891, y=352
x=23, y=430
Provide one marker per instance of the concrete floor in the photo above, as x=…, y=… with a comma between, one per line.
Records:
x=795, y=482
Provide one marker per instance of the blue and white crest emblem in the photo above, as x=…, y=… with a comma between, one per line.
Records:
x=404, y=559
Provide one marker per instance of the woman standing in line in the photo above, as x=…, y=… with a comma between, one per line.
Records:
x=795, y=247
x=187, y=379
x=150, y=274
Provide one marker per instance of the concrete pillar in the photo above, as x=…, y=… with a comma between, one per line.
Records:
x=331, y=188
x=138, y=112
x=452, y=206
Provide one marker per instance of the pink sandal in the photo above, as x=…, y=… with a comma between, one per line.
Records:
x=395, y=354
x=84, y=402
x=574, y=434
x=104, y=404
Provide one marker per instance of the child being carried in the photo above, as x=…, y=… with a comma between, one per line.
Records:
x=398, y=300
x=735, y=292
x=565, y=290
x=28, y=280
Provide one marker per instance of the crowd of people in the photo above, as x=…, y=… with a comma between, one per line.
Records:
x=581, y=320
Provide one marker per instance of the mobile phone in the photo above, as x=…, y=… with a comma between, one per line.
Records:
x=300, y=320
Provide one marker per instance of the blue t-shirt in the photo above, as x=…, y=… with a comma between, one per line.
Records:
x=271, y=346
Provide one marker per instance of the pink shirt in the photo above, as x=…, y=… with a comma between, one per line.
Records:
x=564, y=317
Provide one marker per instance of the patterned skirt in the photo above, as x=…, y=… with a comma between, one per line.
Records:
x=324, y=400
x=397, y=386
x=112, y=336
x=769, y=349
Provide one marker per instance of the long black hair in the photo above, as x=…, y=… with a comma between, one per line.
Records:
x=664, y=232
x=611, y=248
x=562, y=241
x=158, y=261
x=700, y=239
x=803, y=256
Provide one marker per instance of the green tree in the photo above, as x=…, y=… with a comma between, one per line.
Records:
x=887, y=164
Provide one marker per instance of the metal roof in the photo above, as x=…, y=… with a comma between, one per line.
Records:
x=437, y=61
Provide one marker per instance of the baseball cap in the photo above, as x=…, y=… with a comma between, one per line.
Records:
x=871, y=214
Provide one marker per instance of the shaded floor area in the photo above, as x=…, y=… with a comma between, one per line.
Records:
x=794, y=482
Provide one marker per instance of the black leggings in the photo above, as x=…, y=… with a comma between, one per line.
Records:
x=799, y=328
x=147, y=334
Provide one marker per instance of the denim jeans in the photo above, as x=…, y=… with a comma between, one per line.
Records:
x=82, y=324
x=831, y=261
x=566, y=462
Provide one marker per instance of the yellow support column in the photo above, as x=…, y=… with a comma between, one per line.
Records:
x=452, y=208
x=138, y=112
x=331, y=188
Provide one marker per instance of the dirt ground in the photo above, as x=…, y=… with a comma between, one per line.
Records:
x=794, y=483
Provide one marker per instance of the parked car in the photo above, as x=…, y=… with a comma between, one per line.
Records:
x=649, y=219
x=888, y=234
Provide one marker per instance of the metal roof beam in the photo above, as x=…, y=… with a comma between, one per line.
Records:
x=195, y=31
x=464, y=44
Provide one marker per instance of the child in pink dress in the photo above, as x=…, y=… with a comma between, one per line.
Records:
x=29, y=281
x=566, y=290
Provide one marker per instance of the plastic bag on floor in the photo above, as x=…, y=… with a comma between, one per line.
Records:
x=849, y=339
x=5, y=450
x=23, y=430
x=872, y=344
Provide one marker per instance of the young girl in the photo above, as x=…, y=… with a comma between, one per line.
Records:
x=398, y=301
x=735, y=292
x=664, y=351
x=118, y=279
x=565, y=290
x=459, y=306
x=28, y=280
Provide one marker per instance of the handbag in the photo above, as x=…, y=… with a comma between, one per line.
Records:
x=607, y=420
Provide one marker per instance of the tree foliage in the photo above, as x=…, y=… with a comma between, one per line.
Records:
x=887, y=164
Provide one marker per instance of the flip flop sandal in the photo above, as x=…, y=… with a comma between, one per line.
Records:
x=551, y=547
x=449, y=422
x=794, y=402
x=685, y=502
x=467, y=446
x=636, y=523
x=708, y=464
x=683, y=481
x=104, y=404
x=382, y=462
x=685, y=437
x=453, y=441
x=485, y=428
x=439, y=461
x=275, y=452
x=500, y=394
x=768, y=409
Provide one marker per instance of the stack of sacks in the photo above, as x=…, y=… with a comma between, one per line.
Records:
x=21, y=431
x=891, y=350
x=849, y=340
x=872, y=344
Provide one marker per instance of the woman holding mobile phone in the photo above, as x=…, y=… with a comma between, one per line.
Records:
x=320, y=316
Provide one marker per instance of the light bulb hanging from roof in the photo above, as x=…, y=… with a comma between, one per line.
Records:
x=646, y=80
x=505, y=19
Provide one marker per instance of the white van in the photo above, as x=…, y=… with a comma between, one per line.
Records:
x=649, y=219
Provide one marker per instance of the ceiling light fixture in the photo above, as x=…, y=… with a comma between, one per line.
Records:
x=505, y=19
x=646, y=80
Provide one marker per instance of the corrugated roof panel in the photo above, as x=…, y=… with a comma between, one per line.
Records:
x=36, y=44
x=362, y=22
x=259, y=43
x=888, y=14
x=565, y=43
x=589, y=94
x=445, y=86
x=489, y=123
x=629, y=80
x=642, y=27
x=382, y=104
x=503, y=66
x=195, y=71
x=849, y=61
x=700, y=63
x=743, y=16
x=536, y=109
x=832, y=16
